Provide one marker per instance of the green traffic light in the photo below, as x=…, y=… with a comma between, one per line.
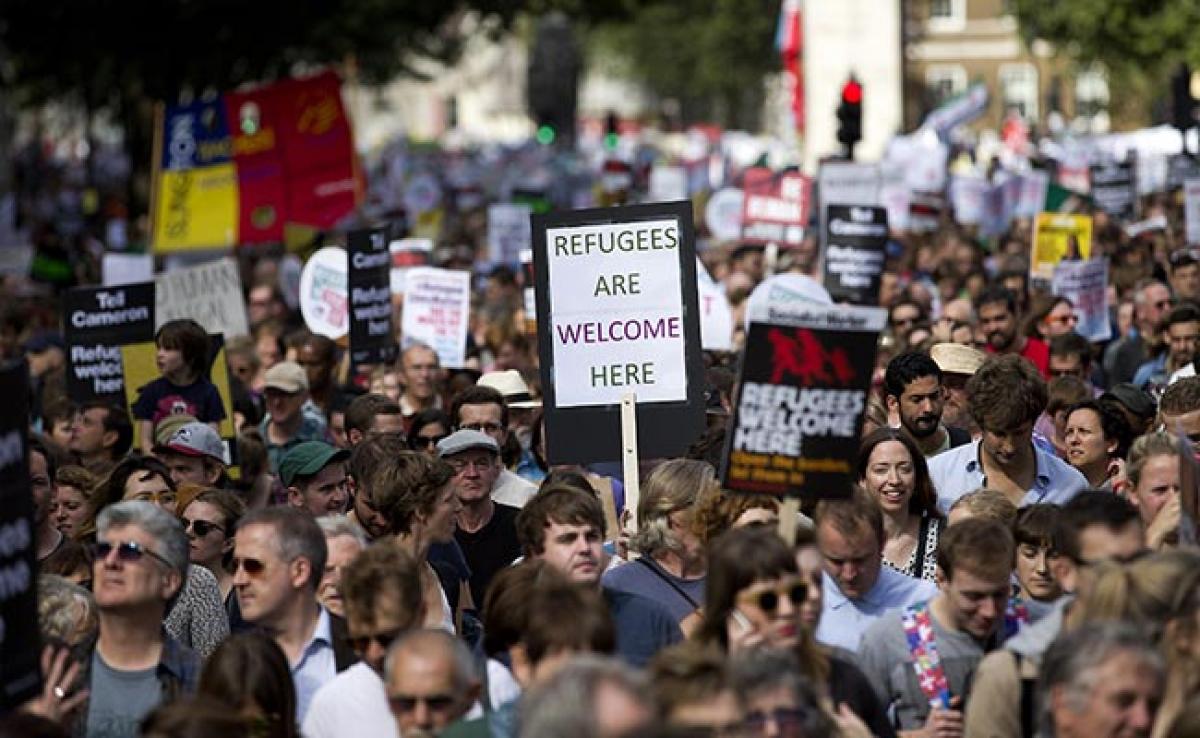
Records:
x=545, y=135
x=610, y=141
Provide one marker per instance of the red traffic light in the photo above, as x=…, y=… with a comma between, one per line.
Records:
x=852, y=92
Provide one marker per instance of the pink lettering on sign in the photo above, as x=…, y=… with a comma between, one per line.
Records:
x=619, y=330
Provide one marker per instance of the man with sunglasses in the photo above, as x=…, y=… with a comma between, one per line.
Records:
x=278, y=559
x=487, y=530
x=133, y=665
x=482, y=408
x=431, y=681
x=381, y=590
x=314, y=475
x=920, y=658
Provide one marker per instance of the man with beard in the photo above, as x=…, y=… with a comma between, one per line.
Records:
x=913, y=389
x=998, y=319
x=1006, y=397
x=958, y=364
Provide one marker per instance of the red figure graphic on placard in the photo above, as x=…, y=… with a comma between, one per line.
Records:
x=802, y=356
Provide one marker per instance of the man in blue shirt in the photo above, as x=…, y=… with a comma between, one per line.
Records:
x=856, y=587
x=1005, y=396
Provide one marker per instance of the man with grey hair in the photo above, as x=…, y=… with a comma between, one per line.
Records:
x=279, y=558
x=590, y=697
x=431, y=682
x=1101, y=679
x=133, y=665
x=344, y=539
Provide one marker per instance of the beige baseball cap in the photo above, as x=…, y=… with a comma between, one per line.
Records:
x=287, y=376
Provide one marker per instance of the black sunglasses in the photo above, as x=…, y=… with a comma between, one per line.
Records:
x=408, y=703
x=768, y=601
x=127, y=551
x=253, y=567
x=426, y=441
x=202, y=527
x=383, y=640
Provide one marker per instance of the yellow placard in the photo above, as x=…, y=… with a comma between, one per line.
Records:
x=1056, y=237
x=196, y=209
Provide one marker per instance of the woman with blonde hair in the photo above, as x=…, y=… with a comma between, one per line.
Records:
x=671, y=567
x=1154, y=486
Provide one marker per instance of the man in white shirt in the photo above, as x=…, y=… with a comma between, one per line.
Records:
x=381, y=589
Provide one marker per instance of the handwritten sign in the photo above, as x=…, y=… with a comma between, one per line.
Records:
x=209, y=293
x=324, y=294
x=437, y=312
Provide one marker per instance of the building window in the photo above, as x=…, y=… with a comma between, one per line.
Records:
x=947, y=15
x=944, y=81
x=1019, y=90
x=1091, y=100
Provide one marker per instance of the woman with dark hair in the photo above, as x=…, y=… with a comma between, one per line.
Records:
x=209, y=520
x=428, y=427
x=892, y=470
x=753, y=598
x=135, y=477
x=249, y=673
x=1097, y=440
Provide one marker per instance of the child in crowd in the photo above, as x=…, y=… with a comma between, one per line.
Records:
x=183, y=386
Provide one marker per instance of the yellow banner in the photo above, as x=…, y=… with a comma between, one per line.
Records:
x=1057, y=237
x=196, y=209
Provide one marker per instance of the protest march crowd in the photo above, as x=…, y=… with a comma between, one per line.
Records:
x=385, y=549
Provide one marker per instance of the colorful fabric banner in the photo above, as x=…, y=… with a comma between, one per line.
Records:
x=239, y=168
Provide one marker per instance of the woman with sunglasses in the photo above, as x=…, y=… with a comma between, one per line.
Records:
x=428, y=427
x=753, y=599
x=209, y=520
x=892, y=470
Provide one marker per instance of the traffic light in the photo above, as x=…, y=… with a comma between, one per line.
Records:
x=612, y=130
x=850, y=115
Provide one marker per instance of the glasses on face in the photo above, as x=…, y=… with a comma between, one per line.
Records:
x=768, y=600
x=252, y=567
x=427, y=441
x=488, y=427
x=127, y=551
x=460, y=465
x=202, y=527
x=433, y=702
x=383, y=640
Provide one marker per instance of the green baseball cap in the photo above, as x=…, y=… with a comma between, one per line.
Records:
x=307, y=459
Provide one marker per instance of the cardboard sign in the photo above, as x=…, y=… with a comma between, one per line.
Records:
x=618, y=308
x=775, y=207
x=324, y=295
x=20, y=644
x=97, y=322
x=1085, y=284
x=209, y=293
x=1113, y=189
x=508, y=231
x=437, y=313
x=1191, y=210
x=716, y=315
x=406, y=254
x=854, y=253
x=803, y=391
x=1057, y=237
x=371, y=339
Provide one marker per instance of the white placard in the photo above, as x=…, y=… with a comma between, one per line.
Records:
x=1191, y=209
x=716, y=315
x=968, y=198
x=667, y=184
x=437, y=312
x=119, y=269
x=324, y=293
x=723, y=214
x=210, y=294
x=408, y=253
x=616, y=317
x=1085, y=284
x=1032, y=199
x=848, y=183
x=508, y=231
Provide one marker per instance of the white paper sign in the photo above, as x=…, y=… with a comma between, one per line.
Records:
x=723, y=214
x=1085, y=284
x=508, y=231
x=616, y=317
x=437, y=312
x=210, y=294
x=406, y=254
x=716, y=315
x=967, y=197
x=847, y=183
x=119, y=269
x=668, y=184
x=1191, y=209
x=1032, y=198
x=325, y=294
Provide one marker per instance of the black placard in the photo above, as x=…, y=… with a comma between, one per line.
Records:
x=801, y=398
x=1113, y=189
x=586, y=434
x=855, y=245
x=97, y=322
x=20, y=677
x=372, y=340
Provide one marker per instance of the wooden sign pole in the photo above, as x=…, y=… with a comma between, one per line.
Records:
x=629, y=456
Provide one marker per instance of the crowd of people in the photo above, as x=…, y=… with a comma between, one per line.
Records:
x=386, y=550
